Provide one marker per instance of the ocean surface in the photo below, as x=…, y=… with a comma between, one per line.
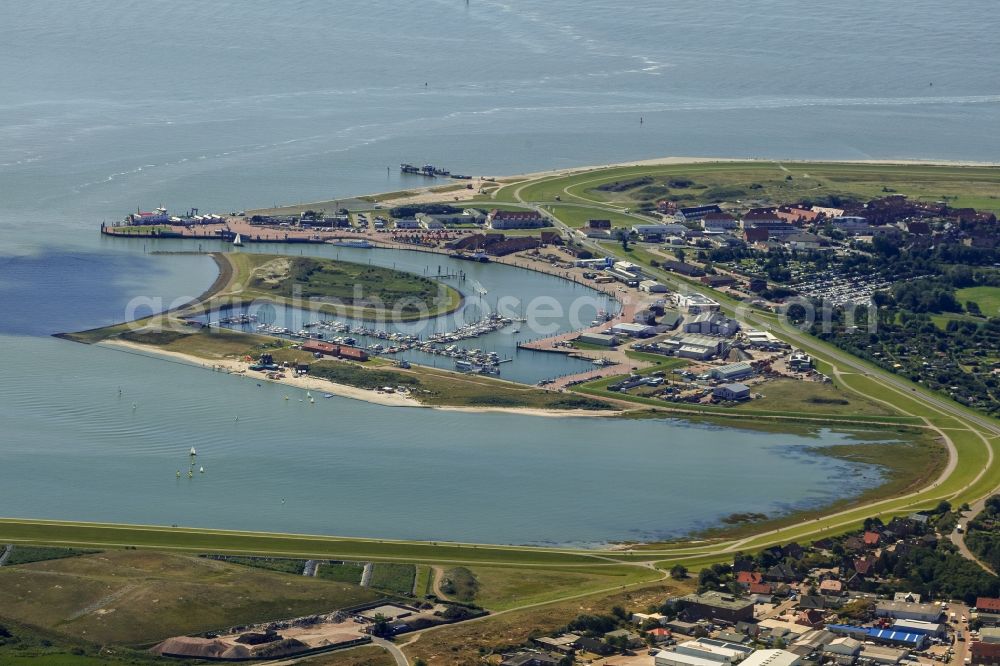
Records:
x=231, y=105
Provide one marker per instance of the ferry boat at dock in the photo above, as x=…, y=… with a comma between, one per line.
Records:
x=353, y=242
x=481, y=257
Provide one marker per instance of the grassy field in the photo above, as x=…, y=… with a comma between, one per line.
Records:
x=137, y=597
x=368, y=655
x=345, y=572
x=394, y=577
x=812, y=397
x=462, y=643
x=988, y=299
x=339, y=287
x=503, y=588
x=460, y=584
x=768, y=182
x=578, y=216
x=28, y=554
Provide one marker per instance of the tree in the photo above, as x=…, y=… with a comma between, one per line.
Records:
x=973, y=308
x=680, y=254
x=678, y=572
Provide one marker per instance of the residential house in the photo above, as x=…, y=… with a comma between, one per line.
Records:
x=747, y=578
x=810, y=618
x=831, y=586
x=781, y=572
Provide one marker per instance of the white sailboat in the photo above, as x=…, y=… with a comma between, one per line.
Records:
x=193, y=452
x=238, y=242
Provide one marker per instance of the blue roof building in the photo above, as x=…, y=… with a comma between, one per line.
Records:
x=910, y=638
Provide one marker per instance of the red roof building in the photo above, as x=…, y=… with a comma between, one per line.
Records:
x=872, y=538
x=760, y=588
x=749, y=577
x=988, y=604
x=985, y=654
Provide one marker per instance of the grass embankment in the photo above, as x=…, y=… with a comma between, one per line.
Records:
x=135, y=597
x=336, y=287
x=768, y=181
x=100, y=535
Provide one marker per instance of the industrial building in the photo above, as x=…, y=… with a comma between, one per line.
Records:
x=696, y=303
x=651, y=286
x=712, y=323
x=902, y=610
x=719, y=651
x=772, y=658
x=599, y=339
x=634, y=330
x=734, y=391
x=732, y=371
x=717, y=606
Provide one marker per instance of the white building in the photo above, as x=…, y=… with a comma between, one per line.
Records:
x=652, y=286
x=633, y=330
x=696, y=303
x=711, y=323
x=902, y=610
x=772, y=658
x=671, y=658
x=920, y=626
x=715, y=650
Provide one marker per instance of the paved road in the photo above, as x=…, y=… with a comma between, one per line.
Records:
x=396, y=653
x=958, y=538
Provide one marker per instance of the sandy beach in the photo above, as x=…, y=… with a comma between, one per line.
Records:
x=239, y=368
x=307, y=383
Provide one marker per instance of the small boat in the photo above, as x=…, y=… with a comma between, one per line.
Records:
x=193, y=452
x=201, y=470
x=327, y=395
x=178, y=474
x=190, y=474
x=238, y=241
